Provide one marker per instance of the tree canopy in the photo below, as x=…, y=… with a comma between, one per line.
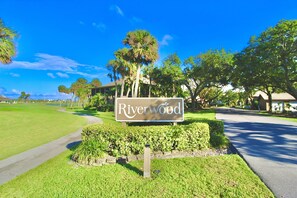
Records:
x=269, y=62
x=143, y=50
x=210, y=69
x=7, y=46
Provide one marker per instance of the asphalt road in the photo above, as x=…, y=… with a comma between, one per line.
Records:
x=269, y=146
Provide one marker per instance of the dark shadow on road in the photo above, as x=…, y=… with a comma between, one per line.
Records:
x=276, y=142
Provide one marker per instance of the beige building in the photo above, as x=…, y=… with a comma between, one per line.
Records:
x=280, y=102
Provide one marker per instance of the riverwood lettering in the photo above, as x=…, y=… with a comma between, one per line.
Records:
x=150, y=109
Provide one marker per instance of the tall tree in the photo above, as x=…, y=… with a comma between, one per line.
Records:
x=113, y=66
x=95, y=83
x=63, y=89
x=250, y=71
x=168, y=77
x=143, y=50
x=24, y=96
x=81, y=89
x=277, y=47
x=125, y=67
x=7, y=46
x=211, y=69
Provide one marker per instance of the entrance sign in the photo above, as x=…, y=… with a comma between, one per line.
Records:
x=149, y=109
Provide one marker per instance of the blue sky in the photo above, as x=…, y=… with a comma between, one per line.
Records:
x=60, y=41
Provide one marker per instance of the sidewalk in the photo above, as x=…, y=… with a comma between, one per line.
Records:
x=23, y=162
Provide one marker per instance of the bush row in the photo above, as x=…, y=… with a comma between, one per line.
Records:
x=216, y=128
x=119, y=141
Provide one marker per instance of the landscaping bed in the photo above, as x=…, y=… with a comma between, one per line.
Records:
x=103, y=144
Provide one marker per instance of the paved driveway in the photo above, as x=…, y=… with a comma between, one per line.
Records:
x=269, y=145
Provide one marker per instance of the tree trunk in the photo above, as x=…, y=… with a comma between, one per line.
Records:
x=270, y=101
x=122, y=87
x=137, y=81
x=71, y=104
x=128, y=92
x=150, y=87
x=116, y=85
x=193, y=103
x=173, y=90
x=133, y=88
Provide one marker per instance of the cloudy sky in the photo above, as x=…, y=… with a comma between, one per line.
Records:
x=60, y=41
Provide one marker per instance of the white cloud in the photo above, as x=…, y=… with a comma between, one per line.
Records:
x=99, y=26
x=134, y=20
x=117, y=9
x=56, y=63
x=165, y=40
x=62, y=75
x=14, y=75
x=15, y=91
x=45, y=62
x=51, y=75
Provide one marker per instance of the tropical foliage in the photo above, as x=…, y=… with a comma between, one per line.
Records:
x=7, y=46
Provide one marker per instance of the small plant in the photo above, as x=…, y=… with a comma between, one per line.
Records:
x=89, y=151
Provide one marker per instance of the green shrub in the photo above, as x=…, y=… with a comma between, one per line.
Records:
x=216, y=128
x=88, y=151
x=119, y=140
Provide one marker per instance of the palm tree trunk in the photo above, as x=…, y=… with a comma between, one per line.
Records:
x=133, y=88
x=137, y=81
x=122, y=87
x=128, y=92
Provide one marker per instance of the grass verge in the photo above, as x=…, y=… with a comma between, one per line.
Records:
x=280, y=116
x=25, y=126
x=217, y=176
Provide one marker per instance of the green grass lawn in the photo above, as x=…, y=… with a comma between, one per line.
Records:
x=25, y=126
x=218, y=176
x=280, y=116
x=202, y=114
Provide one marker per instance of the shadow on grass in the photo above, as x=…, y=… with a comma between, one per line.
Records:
x=88, y=112
x=130, y=167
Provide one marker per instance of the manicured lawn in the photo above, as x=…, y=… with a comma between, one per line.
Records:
x=202, y=114
x=25, y=126
x=219, y=176
x=281, y=116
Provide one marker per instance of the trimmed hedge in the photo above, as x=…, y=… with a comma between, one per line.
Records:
x=216, y=128
x=124, y=141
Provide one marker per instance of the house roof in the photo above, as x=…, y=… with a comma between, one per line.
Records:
x=119, y=82
x=111, y=84
x=275, y=96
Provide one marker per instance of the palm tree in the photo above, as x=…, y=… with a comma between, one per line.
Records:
x=143, y=51
x=7, y=47
x=113, y=66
